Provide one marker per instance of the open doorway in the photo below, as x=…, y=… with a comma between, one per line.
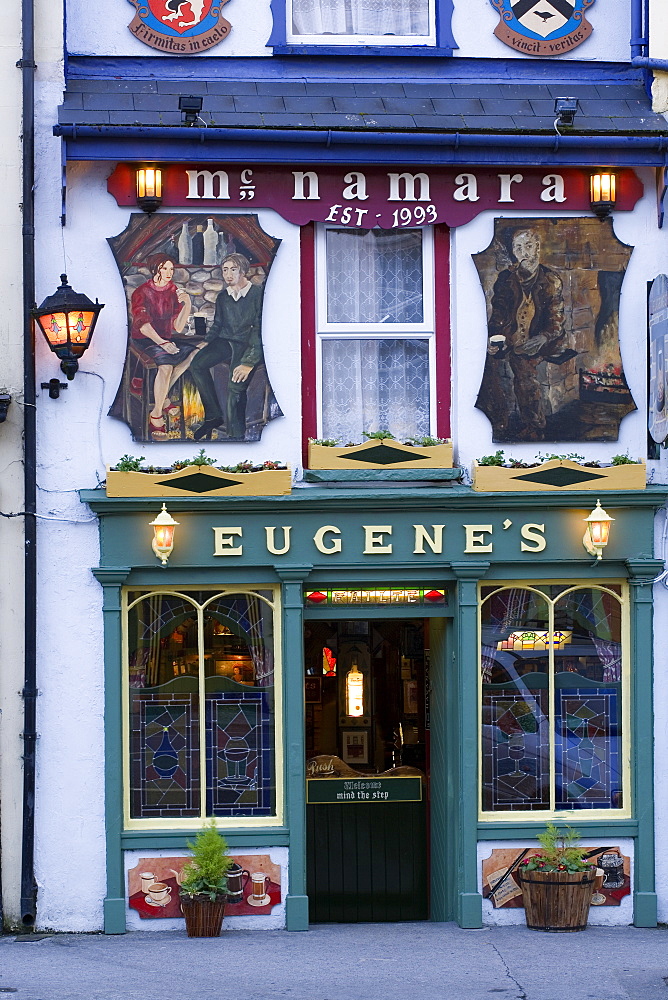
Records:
x=367, y=747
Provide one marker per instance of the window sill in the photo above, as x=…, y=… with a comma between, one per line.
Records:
x=445, y=476
x=362, y=50
x=178, y=839
x=526, y=830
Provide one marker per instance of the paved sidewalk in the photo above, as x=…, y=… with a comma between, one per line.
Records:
x=341, y=962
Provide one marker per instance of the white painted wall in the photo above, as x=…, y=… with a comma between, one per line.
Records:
x=101, y=29
x=11, y=467
x=599, y=916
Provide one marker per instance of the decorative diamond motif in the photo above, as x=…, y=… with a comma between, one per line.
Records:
x=385, y=454
x=559, y=477
x=200, y=483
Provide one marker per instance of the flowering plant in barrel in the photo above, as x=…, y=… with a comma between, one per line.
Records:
x=204, y=883
x=557, y=882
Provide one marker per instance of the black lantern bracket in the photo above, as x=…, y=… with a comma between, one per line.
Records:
x=67, y=319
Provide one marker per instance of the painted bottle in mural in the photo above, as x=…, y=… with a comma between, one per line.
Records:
x=198, y=246
x=185, y=245
x=210, y=243
x=225, y=247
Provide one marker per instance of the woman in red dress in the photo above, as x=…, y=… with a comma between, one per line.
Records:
x=159, y=310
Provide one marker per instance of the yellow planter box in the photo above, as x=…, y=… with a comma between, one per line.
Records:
x=199, y=481
x=377, y=454
x=558, y=475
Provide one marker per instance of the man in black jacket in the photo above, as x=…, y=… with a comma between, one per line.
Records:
x=526, y=327
x=234, y=337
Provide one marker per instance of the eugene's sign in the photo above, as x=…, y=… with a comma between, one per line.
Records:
x=379, y=539
x=373, y=196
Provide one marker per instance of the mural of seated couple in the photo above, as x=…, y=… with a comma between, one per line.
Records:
x=194, y=366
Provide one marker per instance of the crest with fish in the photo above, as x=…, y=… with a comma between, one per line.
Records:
x=181, y=27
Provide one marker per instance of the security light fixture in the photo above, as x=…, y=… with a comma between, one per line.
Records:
x=149, y=188
x=67, y=319
x=565, y=108
x=602, y=193
x=597, y=533
x=190, y=108
x=5, y=400
x=163, y=535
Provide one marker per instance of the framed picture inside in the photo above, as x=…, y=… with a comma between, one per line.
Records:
x=355, y=749
x=313, y=690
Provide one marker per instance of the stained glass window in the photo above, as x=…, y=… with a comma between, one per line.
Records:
x=189, y=650
x=552, y=697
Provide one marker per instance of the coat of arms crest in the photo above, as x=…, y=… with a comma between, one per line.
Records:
x=542, y=27
x=181, y=27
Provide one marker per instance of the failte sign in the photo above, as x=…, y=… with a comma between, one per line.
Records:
x=373, y=196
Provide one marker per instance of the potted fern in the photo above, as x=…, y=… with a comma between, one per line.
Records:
x=204, y=883
x=557, y=882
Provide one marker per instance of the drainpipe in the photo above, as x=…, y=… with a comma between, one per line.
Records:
x=27, y=66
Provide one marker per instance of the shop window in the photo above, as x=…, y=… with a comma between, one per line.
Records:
x=375, y=333
x=367, y=22
x=200, y=706
x=554, y=699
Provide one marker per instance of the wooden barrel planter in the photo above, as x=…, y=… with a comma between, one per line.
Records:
x=557, y=901
x=204, y=917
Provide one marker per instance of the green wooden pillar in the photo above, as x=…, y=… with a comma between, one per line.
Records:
x=296, y=902
x=642, y=572
x=463, y=747
x=114, y=903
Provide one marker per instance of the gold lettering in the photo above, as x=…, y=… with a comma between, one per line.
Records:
x=224, y=539
x=271, y=541
x=373, y=539
x=319, y=539
x=422, y=536
x=475, y=541
x=534, y=533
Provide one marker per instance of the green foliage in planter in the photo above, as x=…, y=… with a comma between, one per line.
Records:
x=495, y=459
x=200, y=459
x=378, y=435
x=625, y=460
x=426, y=442
x=205, y=874
x=561, y=852
x=324, y=442
x=128, y=463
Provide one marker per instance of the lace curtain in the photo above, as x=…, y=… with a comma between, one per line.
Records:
x=360, y=17
x=370, y=385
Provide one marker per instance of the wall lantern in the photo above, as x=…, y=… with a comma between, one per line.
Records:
x=163, y=535
x=149, y=188
x=67, y=319
x=354, y=691
x=596, y=536
x=602, y=193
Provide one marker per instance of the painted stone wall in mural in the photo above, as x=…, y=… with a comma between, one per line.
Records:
x=553, y=370
x=194, y=367
x=658, y=359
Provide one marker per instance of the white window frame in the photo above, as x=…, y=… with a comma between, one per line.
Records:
x=426, y=330
x=383, y=41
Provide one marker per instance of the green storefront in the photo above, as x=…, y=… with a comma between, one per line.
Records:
x=367, y=635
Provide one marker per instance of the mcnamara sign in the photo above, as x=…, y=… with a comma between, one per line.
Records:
x=373, y=196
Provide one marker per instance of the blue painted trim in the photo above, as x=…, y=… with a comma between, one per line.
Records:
x=647, y=63
x=404, y=51
x=321, y=68
x=110, y=142
x=445, y=41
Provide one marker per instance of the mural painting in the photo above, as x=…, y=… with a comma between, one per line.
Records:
x=658, y=359
x=194, y=366
x=499, y=885
x=553, y=369
x=253, y=886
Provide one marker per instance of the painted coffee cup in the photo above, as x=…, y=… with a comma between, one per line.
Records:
x=259, y=882
x=147, y=879
x=159, y=892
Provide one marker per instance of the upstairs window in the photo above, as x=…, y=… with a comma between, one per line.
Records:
x=368, y=22
x=375, y=325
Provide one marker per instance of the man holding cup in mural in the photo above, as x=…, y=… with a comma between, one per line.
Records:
x=526, y=327
x=235, y=338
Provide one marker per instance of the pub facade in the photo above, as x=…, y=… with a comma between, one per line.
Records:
x=362, y=489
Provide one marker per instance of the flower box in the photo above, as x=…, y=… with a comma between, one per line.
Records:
x=559, y=474
x=199, y=481
x=380, y=454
